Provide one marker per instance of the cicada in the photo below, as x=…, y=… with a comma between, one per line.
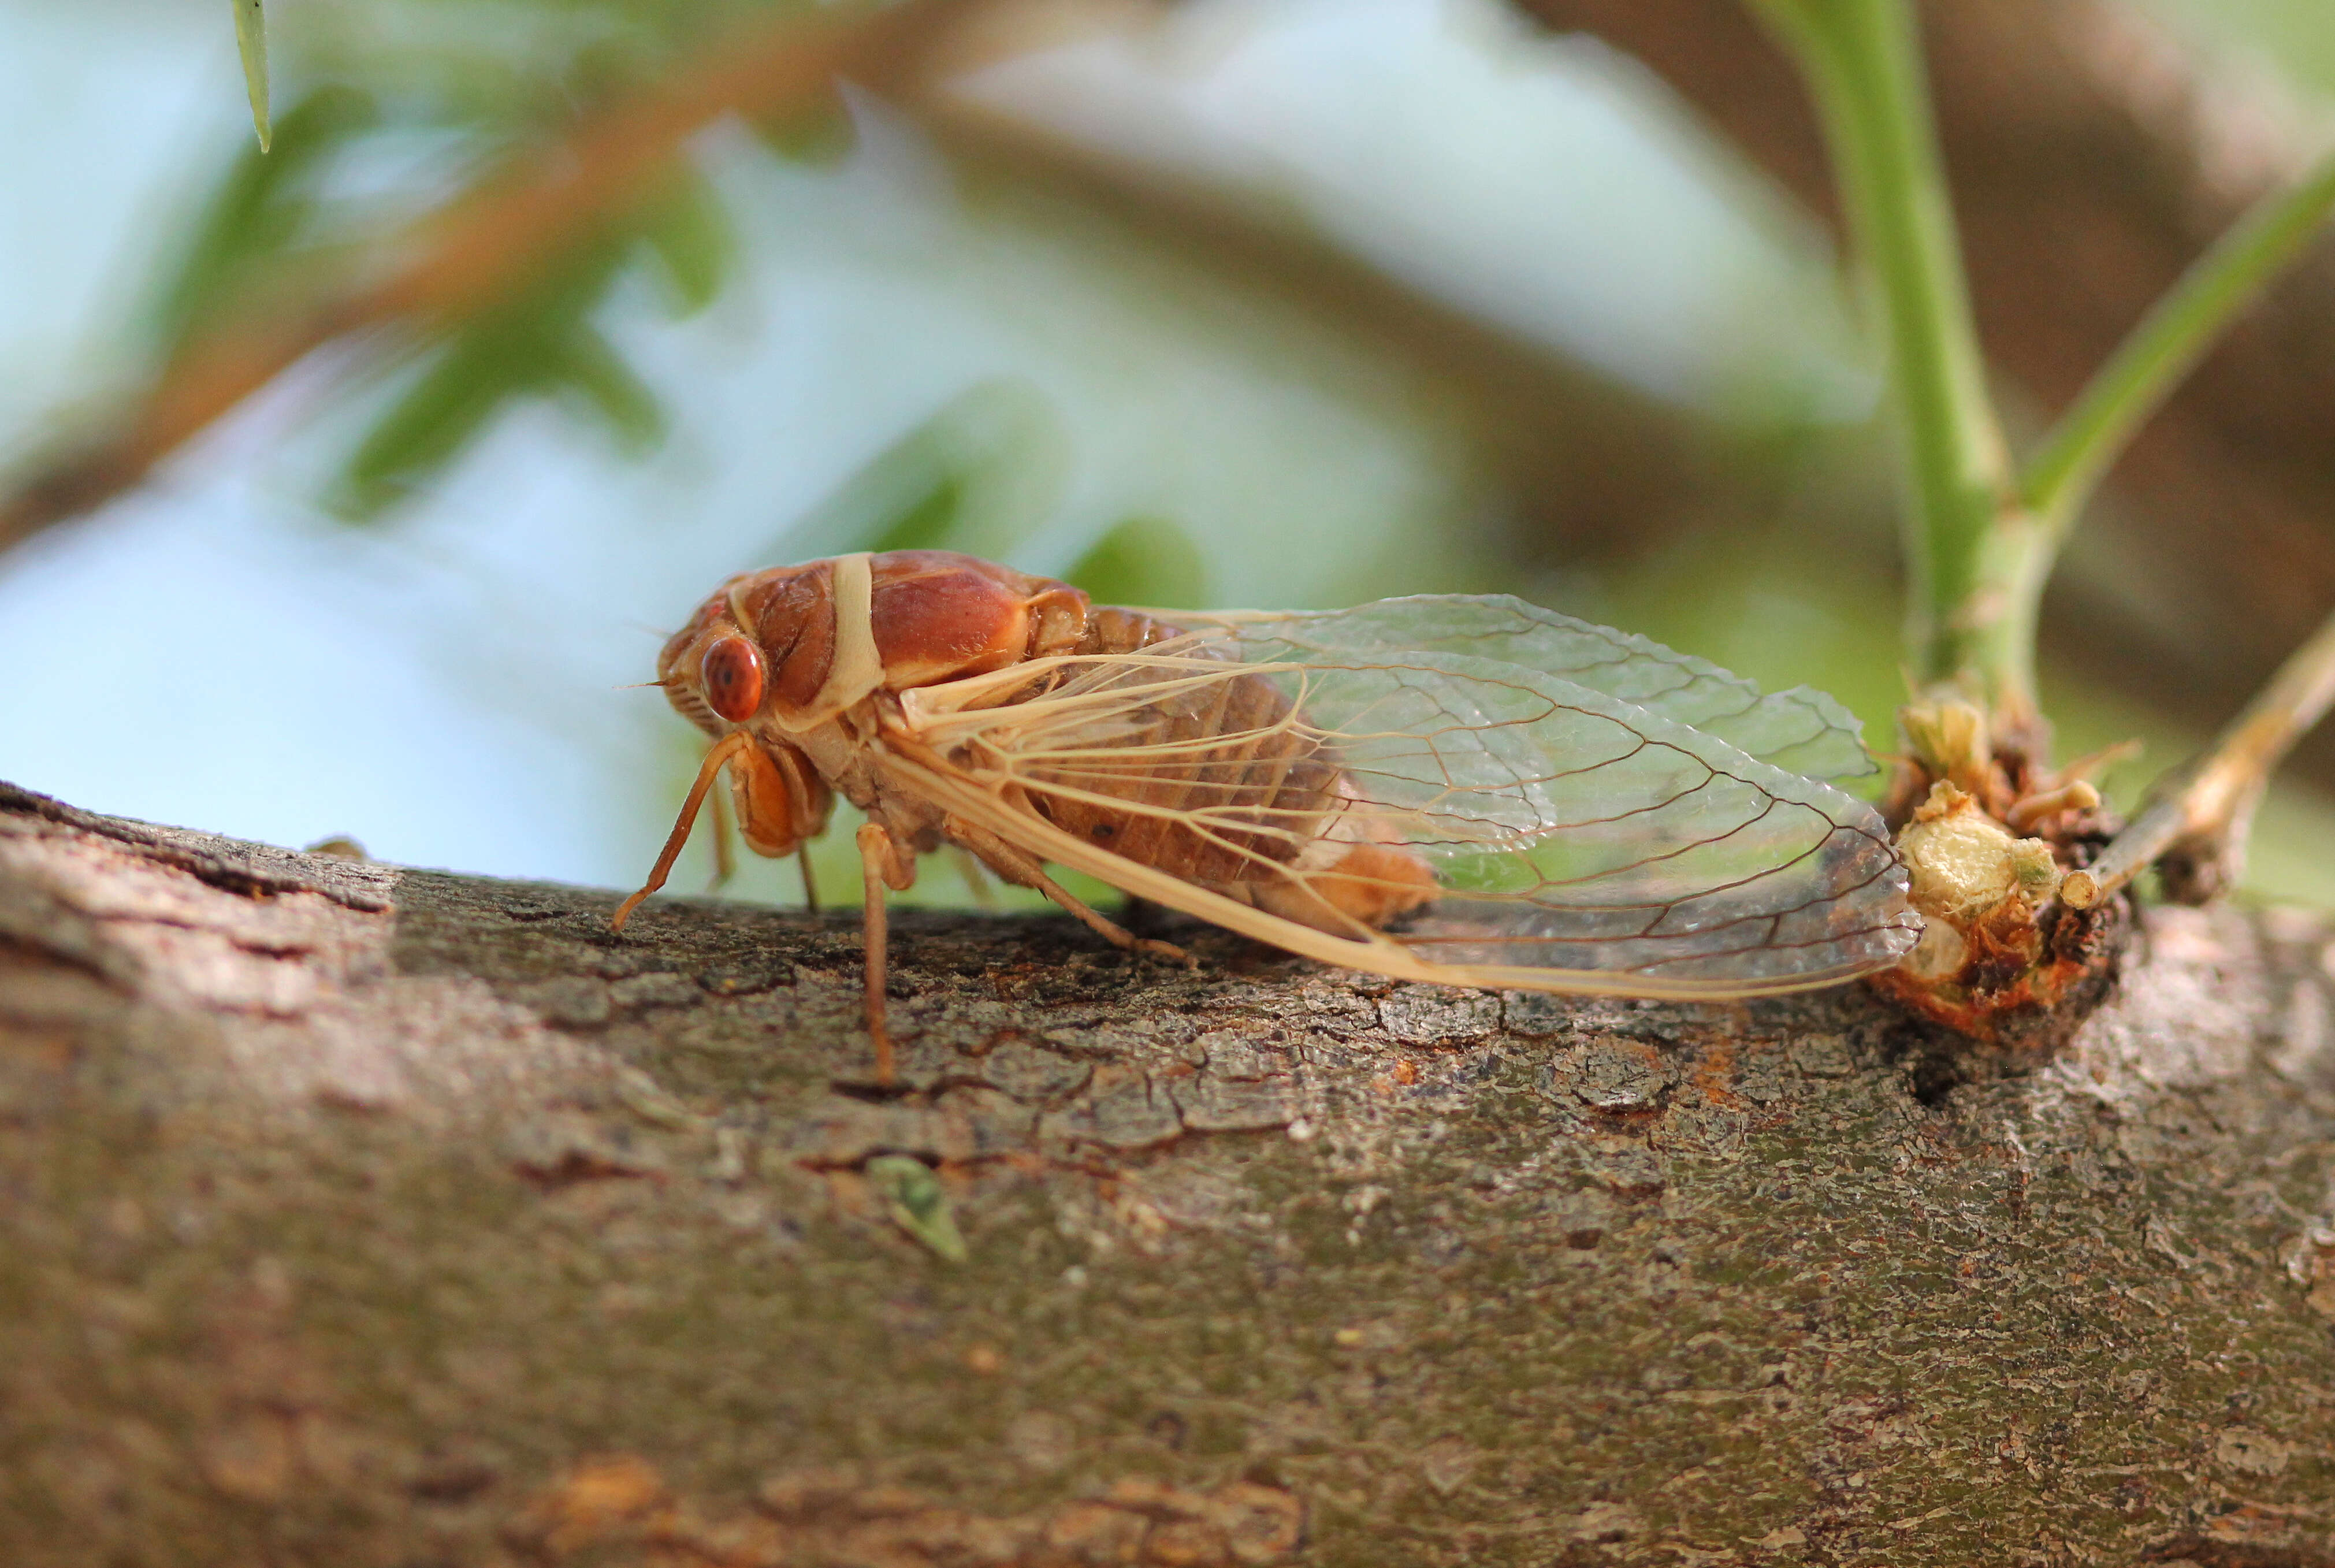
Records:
x=1452, y=787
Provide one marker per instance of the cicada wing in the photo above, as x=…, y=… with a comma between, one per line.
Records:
x=1580, y=842
x=1801, y=730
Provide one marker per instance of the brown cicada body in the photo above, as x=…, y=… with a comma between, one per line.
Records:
x=1526, y=800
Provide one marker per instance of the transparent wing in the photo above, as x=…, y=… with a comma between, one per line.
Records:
x=1801, y=730
x=1576, y=840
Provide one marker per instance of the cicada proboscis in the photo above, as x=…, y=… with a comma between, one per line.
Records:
x=1449, y=788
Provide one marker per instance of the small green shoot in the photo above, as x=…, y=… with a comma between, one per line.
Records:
x=251, y=43
x=1863, y=61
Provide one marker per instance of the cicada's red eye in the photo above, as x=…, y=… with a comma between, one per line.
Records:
x=732, y=676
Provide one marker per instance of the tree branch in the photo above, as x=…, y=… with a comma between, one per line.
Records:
x=483, y=246
x=354, y=1213
x=1593, y=463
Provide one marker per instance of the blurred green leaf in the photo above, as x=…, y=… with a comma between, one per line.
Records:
x=439, y=414
x=980, y=475
x=589, y=364
x=927, y=521
x=1144, y=561
x=912, y=1193
x=690, y=234
x=541, y=343
x=819, y=139
x=260, y=208
x=523, y=66
x=251, y=43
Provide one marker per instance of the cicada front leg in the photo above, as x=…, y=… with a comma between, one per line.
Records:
x=1021, y=868
x=726, y=750
x=882, y=863
x=780, y=804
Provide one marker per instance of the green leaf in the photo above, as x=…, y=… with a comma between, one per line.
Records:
x=912, y=1194
x=423, y=430
x=443, y=411
x=689, y=235
x=927, y=520
x=258, y=210
x=590, y=365
x=1143, y=561
x=978, y=476
x=541, y=341
x=819, y=138
x=251, y=43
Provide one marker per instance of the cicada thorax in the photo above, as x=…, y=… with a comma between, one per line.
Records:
x=1223, y=786
x=791, y=655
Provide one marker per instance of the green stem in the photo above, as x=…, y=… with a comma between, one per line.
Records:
x=2147, y=366
x=2166, y=346
x=1967, y=542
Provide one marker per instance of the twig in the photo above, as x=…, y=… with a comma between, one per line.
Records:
x=2194, y=825
x=484, y=243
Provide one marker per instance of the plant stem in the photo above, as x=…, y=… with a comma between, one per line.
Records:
x=1967, y=542
x=2166, y=346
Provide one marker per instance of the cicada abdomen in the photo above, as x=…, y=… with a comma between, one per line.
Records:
x=1220, y=781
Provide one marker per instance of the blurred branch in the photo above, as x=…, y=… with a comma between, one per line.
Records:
x=2092, y=161
x=484, y=245
x=1591, y=465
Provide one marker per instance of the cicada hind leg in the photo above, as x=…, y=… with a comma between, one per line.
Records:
x=1023, y=871
x=882, y=864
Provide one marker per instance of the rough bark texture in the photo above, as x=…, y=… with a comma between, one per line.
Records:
x=352, y=1214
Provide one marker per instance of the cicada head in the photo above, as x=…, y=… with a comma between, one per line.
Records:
x=798, y=644
x=763, y=642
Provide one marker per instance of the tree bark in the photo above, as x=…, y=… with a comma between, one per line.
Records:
x=360, y=1214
